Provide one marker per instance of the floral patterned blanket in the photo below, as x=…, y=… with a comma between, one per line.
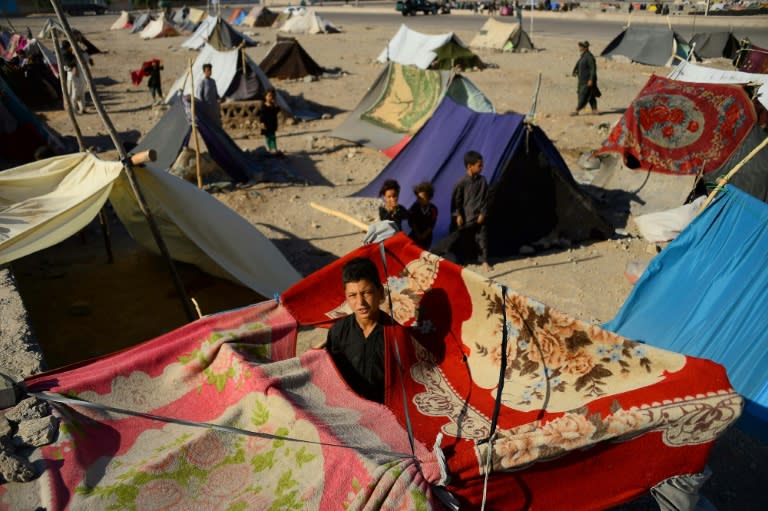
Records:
x=679, y=127
x=586, y=419
x=280, y=432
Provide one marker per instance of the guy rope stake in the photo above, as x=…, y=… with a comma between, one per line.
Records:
x=194, y=128
x=127, y=166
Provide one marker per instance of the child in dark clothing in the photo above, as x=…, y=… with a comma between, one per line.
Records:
x=423, y=215
x=468, y=207
x=268, y=120
x=391, y=210
x=155, y=83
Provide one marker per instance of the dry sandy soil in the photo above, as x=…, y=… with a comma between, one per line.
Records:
x=82, y=307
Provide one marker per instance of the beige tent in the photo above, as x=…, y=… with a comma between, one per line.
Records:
x=124, y=21
x=159, y=28
x=47, y=201
x=196, y=15
x=307, y=22
x=259, y=17
x=495, y=35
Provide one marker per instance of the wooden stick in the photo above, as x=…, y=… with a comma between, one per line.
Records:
x=194, y=128
x=724, y=180
x=143, y=157
x=339, y=214
x=143, y=206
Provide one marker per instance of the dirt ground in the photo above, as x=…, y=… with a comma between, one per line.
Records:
x=82, y=307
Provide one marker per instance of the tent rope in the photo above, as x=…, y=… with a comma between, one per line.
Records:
x=408, y=424
x=58, y=398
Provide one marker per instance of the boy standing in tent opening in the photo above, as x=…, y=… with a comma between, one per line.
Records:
x=586, y=72
x=422, y=216
x=356, y=342
x=268, y=120
x=469, y=204
x=208, y=95
x=391, y=210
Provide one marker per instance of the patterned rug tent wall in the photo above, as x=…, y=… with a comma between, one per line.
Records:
x=568, y=386
x=400, y=101
x=752, y=59
x=680, y=129
x=577, y=403
x=705, y=295
x=528, y=178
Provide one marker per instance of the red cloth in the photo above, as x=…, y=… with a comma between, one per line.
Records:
x=139, y=74
x=756, y=60
x=611, y=419
x=678, y=127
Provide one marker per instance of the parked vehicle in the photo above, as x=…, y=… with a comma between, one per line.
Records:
x=80, y=7
x=411, y=7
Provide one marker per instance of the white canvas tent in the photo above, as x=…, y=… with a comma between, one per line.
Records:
x=198, y=39
x=159, y=28
x=226, y=66
x=124, y=21
x=307, y=22
x=687, y=72
x=495, y=35
x=412, y=48
x=45, y=202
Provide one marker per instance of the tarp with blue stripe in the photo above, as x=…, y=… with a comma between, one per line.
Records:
x=706, y=295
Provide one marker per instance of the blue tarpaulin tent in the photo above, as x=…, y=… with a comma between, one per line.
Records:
x=706, y=295
x=533, y=192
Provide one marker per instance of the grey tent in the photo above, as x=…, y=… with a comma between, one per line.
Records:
x=648, y=44
x=713, y=45
x=287, y=59
x=172, y=133
x=259, y=17
x=141, y=22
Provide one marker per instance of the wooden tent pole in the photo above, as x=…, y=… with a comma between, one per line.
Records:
x=194, y=128
x=339, y=214
x=724, y=180
x=186, y=304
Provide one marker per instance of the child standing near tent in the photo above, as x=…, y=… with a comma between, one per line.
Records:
x=422, y=216
x=208, y=94
x=391, y=210
x=469, y=203
x=268, y=120
x=155, y=83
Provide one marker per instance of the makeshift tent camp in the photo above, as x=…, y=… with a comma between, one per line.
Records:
x=237, y=76
x=219, y=34
x=495, y=35
x=20, y=131
x=172, y=133
x=287, y=59
x=141, y=22
x=443, y=51
x=49, y=200
x=705, y=295
x=680, y=129
x=124, y=21
x=307, y=22
x=648, y=44
x=713, y=45
x=259, y=17
x=400, y=101
x=160, y=27
x=527, y=176
x=574, y=404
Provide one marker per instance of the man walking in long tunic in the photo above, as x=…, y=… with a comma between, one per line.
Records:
x=586, y=72
x=208, y=95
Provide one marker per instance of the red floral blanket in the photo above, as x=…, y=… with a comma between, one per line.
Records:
x=587, y=419
x=682, y=127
